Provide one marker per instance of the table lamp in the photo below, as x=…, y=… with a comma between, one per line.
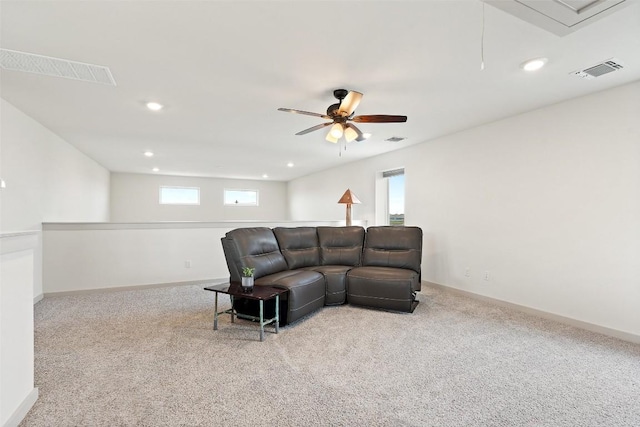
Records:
x=348, y=198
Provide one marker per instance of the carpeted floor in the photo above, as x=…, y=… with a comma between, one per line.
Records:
x=150, y=358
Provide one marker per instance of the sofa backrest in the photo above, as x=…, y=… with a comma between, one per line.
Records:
x=340, y=245
x=252, y=247
x=390, y=246
x=299, y=245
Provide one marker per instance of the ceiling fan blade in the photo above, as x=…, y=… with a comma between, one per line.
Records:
x=379, y=118
x=316, y=127
x=357, y=135
x=306, y=113
x=350, y=103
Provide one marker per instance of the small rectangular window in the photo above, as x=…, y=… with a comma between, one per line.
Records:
x=241, y=197
x=179, y=195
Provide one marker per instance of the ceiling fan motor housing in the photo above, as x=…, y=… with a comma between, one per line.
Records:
x=340, y=94
x=332, y=111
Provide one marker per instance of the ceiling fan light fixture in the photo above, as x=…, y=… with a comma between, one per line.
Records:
x=336, y=131
x=331, y=138
x=350, y=134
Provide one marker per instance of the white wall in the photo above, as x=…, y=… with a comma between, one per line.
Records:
x=317, y=195
x=17, y=391
x=548, y=202
x=46, y=179
x=134, y=198
x=83, y=257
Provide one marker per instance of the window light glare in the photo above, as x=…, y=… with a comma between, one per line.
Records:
x=155, y=169
x=148, y=153
x=265, y=176
x=290, y=164
x=154, y=106
x=533, y=64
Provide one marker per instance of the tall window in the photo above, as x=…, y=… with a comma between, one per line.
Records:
x=395, y=196
x=179, y=195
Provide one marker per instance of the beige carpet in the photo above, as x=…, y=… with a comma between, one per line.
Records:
x=150, y=358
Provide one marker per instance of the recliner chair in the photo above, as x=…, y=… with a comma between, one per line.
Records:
x=390, y=274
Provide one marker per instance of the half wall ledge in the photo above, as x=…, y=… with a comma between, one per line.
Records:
x=190, y=224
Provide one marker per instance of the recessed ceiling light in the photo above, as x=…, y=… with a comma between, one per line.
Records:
x=154, y=106
x=155, y=169
x=290, y=164
x=533, y=64
x=265, y=176
x=148, y=153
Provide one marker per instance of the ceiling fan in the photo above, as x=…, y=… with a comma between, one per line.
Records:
x=341, y=116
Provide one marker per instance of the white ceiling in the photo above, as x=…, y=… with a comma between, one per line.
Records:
x=222, y=69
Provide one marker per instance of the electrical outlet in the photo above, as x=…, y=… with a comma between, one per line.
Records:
x=467, y=272
x=487, y=276
x=187, y=264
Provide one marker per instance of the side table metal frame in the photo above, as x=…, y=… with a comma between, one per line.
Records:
x=263, y=322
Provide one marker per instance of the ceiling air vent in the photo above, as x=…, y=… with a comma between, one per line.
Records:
x=31, y=63
x=395, y=139
x=606, y=67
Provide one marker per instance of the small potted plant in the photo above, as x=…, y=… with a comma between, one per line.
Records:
x=247, y=278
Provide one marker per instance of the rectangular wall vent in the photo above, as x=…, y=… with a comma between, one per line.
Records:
x=31, y=63
x=598, y=70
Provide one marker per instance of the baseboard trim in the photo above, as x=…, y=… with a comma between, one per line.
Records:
x=136, y=287
x=37, y=298
x=18, y=415
x=592, y=327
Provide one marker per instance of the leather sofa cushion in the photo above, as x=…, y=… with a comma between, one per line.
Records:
x=335, y=277
x=398, y=247
x=340, y=245
x=383, y=287
x=270, y=279
x=299, y=245
x=255, y=247
x=306, y=291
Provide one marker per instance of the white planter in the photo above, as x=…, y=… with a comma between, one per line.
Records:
x=247, y=283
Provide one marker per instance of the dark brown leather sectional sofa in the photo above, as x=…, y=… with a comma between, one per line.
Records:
x=319, y=266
